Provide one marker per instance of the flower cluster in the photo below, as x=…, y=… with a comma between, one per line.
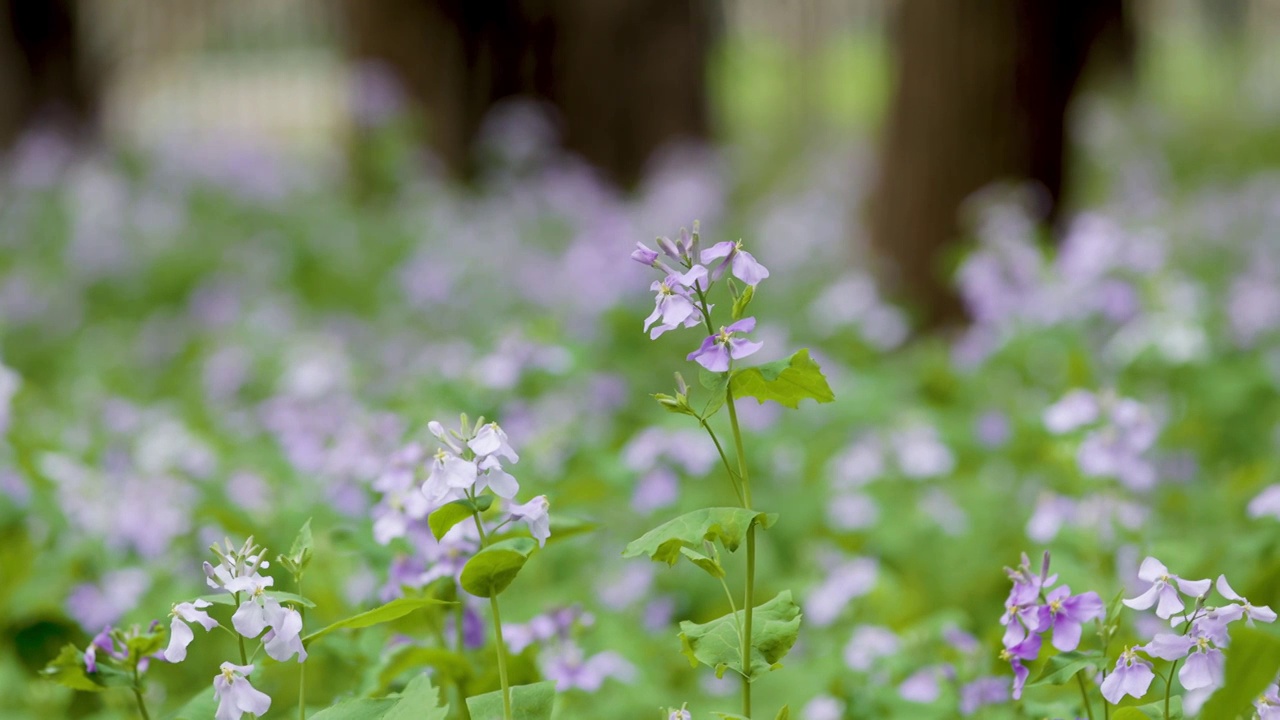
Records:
x=681, y=296
x=563, y=661
x=1034, y=609
x=1122, y=431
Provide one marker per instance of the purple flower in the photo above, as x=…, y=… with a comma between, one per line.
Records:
x=718, y=350
x=1164, y=588
x=922, y=686
x=844, y=582
x=235, y=695
x=673, y=303
x=1075, y=410
x=1242, y=608
x=1132, y=676
x=568, y=667
x=1268, y=704
x=1168, y=646
x=1064, y=614
x=744, y=265
x=535, y=514
x=1266, y=503
x=1027, y=649
x=868, y=644
x=981, y=692
x=822, y=707
x=644, y=255
x=1204, y=667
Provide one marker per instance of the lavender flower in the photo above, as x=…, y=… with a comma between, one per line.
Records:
x=982, y=692
x=1064, y=614
x=1164, y=589
x=235, y=695
x=674, y=304
x=1131, y=676
x=718, y=350
x=180, y=634
x=1027, y=649
x=744, y=265
x=534, y=514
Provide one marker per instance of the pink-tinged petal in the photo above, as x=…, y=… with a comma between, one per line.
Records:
x=1152, y=570
x=719, y=250
x=1145, y=600
x=1170, y=602
x=1194, y=588
x=1225, y=590
x=180, y=636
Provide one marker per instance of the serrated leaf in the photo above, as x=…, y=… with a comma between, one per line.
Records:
x=775, y=626
x=1252, y=663
x=491, y=570
x=68, y=670
x=725, y=525
x=528, y=702
x=785, y=382
x=716, y=385
x=1061, y=668
x=393, y=610
x=419, y=701
x=709, y=564
x=450, y=514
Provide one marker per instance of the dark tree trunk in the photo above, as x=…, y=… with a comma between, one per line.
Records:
x=626, y=76
x=982, y=94
x=42, y=71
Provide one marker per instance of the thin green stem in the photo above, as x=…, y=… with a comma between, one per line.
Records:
x=1168, y=689
x=502, y=658
x=244, y=657
x=137, y=694
x=302, y=666
x=1106, y=706
x=460, y=645
x=732, y=608
x=733, y=477
x=1084, y=696
x=484, y=541
x=748, y=603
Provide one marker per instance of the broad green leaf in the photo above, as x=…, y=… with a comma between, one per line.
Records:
x=1061, y=668
x=1252, y=663
x=227, y=599
x=528, y=702
x=419, y=701
x=725, y=525
x=785, y=382
x=706, y=563
x=201, y=706
x=364, y=709
x=68, y=669
x=491, y=570
x=775, y=625
x=449, y=665
x=450, y=514
x=393, y=610
x=1155, y=710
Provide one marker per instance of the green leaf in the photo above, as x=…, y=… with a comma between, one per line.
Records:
x=1061, y=668
x=364, y=709
x=706, y=563
x=1128, y=713
x=201, y=706
x=68, y=669
x=419, y=701
x=449, y=665
x=775, y=626
x=393, y=610
x=491, y=570
x=729, y=716
x=1252, y=663
x=784, y=713
x=725, y=525
x=528, y=702
x=300, y=552
x=227, y=599
x=716, y=384
x=785, y=382
x=450, y=514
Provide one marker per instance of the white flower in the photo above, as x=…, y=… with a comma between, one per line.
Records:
x=180, y=634
x=535, y=514
x=284, y=640
x=491, y=440
x=235, y=695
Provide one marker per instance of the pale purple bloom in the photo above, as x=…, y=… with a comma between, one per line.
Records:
x=1131, y=676
x=495, y=479
x=744, y=265
x=1268, y=704
x=822, y=707
x=852, y=511
x=180, y=634
x=1203, y=668
x=535, y=514
x=1266, y=503
x=1064, y=614
x=844, y=582
x=94, y=605
x=284, y=639
x=258, y=610
x=621, y=587
x=868, y=644
x=982, y=692
x=645, y=255
x=1027, y=649
x=960, y=640
x=921, y=453
x=491, y=440
x=1164, y=589
x=656, y=489
x=658, y=613
x=1249, y=612
x=235, y=695
x=922, y=686
x=569, y=668
x=994, y=429
x=1075, y=410
x=718, y=350
x=1168, y=646
x=673, y=303
x=680, y=713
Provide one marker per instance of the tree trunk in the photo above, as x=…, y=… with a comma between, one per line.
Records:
x=42, y=71
x=982, y=94
x=626, y=76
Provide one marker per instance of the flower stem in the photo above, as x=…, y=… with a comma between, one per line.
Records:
x=1168, y=686
x=748, y=603
x=1084, y=696
x=302, y=667
x=502, y=658
x=244, y=657
x=461, y=646
x=733, y=477
x=137, y=694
